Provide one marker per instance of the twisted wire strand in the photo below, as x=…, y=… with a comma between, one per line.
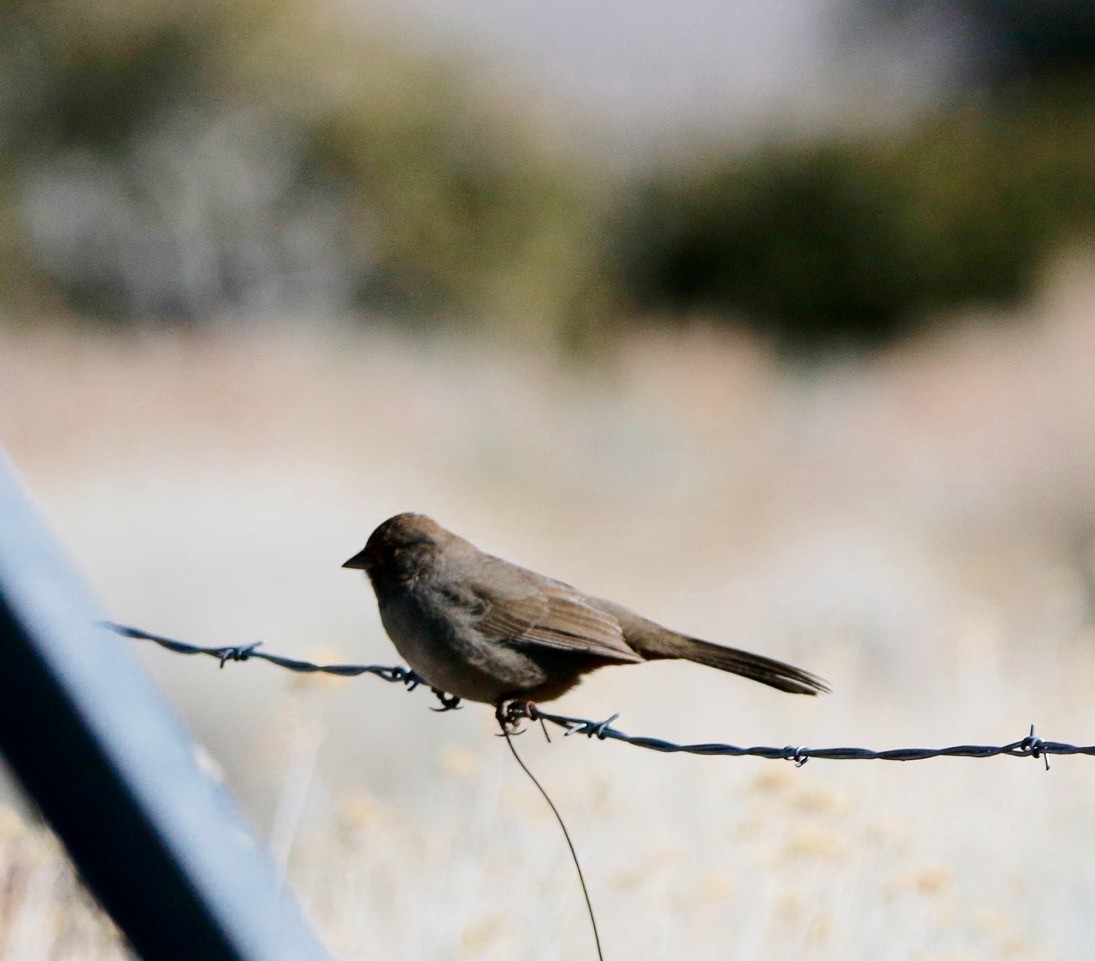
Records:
x=1030, y=746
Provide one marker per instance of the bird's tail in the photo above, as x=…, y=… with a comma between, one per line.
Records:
x=756, y=667
x=655, y=642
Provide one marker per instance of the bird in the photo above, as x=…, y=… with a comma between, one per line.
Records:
x=476, y=627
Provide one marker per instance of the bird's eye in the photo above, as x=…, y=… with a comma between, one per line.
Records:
x=396, y=551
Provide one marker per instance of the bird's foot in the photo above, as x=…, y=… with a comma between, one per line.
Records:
x=449, y=702
x=511, y=712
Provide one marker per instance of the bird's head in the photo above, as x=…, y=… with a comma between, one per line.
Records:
x=399, y=549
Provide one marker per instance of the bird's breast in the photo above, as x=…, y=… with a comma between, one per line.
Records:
x=439, y=641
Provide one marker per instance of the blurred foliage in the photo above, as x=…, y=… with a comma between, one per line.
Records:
x=1000, y=45
x=179, y=160
x=175, y=158
x=852, y=243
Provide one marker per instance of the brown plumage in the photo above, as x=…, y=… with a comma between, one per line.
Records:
x=484, y=629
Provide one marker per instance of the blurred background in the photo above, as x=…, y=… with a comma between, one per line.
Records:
x=773, y=321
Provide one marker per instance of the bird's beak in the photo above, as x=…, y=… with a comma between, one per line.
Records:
x=360, y=562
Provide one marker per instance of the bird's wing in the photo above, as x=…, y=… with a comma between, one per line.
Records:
x=556, y=616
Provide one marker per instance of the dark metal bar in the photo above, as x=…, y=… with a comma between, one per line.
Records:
x=163, y=848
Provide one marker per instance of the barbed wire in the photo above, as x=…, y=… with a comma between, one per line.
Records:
x=1030, y=746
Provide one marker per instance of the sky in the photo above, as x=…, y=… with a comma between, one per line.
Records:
x=647, y=73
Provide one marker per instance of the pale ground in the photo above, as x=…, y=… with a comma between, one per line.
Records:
x=917, y=530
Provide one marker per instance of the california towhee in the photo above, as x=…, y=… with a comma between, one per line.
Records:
x=481, y=628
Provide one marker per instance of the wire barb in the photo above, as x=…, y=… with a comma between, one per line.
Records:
x=515, y=711
x=800, y=755
x=1035, y=746
x=237, y=653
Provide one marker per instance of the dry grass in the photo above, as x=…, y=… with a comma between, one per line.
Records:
x=917, y=530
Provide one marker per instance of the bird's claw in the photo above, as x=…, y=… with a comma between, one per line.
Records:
x=449, y=702
x=510, y=713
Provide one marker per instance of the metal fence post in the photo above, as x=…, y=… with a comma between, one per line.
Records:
x=163, y=848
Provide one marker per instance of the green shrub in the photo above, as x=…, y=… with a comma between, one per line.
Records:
x=850, y=244
x=176, y=160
